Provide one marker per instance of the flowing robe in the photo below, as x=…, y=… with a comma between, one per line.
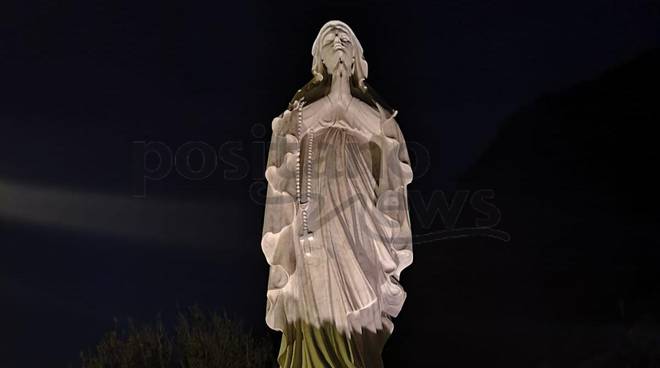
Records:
x=335, y=260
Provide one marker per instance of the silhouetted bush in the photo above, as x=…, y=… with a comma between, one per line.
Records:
x=198, y=340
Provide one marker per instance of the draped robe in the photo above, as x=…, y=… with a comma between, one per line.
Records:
x=334, y=289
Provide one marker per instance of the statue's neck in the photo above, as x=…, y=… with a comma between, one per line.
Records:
x=340, y=89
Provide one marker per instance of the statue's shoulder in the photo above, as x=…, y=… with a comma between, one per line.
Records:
x=315, y=107
x=364, y=108
x=365, y=116
x=313, y=110
x=374, y=111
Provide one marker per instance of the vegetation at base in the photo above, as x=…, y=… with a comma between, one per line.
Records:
x=198, y=340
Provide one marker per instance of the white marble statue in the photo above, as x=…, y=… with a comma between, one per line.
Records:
x=336, y=231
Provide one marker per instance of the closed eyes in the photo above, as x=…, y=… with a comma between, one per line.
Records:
x=343, y=38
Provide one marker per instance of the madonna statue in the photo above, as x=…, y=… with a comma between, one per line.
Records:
x=336, y=231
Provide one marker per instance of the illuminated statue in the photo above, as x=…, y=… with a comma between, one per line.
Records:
x=336, y=228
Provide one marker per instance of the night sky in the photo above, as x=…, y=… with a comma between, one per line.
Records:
x=84, y=238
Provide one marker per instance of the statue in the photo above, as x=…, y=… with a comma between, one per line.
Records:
x=336, y=230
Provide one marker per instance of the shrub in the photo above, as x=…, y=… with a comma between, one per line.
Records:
x=198, y=340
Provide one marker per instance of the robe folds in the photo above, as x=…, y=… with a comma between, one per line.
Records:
x=336, y=253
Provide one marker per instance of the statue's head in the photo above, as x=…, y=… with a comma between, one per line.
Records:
x=337, y=47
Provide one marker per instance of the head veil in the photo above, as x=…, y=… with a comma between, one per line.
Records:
x=319, y=86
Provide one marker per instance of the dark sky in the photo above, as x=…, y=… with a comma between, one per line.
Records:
x=80, y=82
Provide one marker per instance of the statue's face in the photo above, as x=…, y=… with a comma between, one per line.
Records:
x=337, y=50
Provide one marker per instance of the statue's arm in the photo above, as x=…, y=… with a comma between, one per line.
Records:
x=395, y=169
x=395, y=175
x=278, y=238
x=279, y=174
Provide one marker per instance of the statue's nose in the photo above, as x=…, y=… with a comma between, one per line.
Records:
x=338, y=43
